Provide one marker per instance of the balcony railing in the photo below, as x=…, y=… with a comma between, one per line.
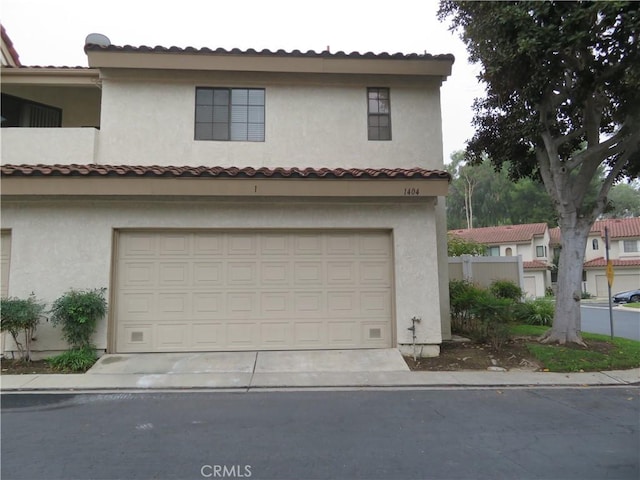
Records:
x=49, y=145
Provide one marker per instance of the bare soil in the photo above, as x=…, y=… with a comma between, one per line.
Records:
x=468, y=355
x=18, y=367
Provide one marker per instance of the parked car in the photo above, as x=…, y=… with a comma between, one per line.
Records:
x=631, y=296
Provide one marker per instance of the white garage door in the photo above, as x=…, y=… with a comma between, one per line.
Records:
x=245, y=290
x=622, y=282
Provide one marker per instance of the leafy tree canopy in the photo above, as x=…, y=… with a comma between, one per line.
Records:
x=563, y=101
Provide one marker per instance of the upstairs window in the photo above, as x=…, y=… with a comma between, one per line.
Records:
x=630, y=246
x=594, y=244
x=379, y=113
x=230, y=114
x=493, y=251
x=541, y=251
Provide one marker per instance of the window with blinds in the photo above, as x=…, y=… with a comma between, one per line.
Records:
x=379, y=113
x=19, y=112
x=230, y=114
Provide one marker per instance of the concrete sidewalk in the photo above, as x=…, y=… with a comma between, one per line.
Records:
x=244, y=371
x=310, y=380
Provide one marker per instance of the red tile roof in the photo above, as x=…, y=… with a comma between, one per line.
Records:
x=602, y=262
x=535, y=265
x=246, y=172
x=618, y=227
x=502, y=234
x=9, y=44
x=554, y=236
x=266, y=52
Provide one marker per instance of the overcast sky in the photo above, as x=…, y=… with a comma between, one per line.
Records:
x=48, y=32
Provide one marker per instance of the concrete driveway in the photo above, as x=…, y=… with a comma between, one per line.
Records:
x=313, y=361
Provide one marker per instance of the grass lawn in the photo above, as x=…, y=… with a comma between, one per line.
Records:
x=601, y=353
x=632, y=305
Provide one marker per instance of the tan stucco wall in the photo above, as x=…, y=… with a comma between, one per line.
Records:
x=58, y=245
x=312, y=120
x=48, y=145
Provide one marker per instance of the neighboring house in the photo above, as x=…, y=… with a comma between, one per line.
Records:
x=531, y=241
x=9, y=54
x=231, y=200
x=624, y=253
x=539, y=245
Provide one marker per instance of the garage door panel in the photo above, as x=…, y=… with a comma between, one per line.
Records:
x=376, y=303
x=275, y=273
x=276, y=334
x=309, y=303
x=242, y=244
x=208, y=244
x=208, y=274
x=242, y=304
x=308, y=244
x=172, y=336
x=208, y=304
x=137, y=245
x=185, y=291
x=308, y=273
x=275, y=304
x=275, y=244
x=172, y=274
x=175, y=245
x=209, y=335
x=341, y=273
x=139, y=275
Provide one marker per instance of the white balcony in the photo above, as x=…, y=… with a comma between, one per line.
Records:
x=49, y=145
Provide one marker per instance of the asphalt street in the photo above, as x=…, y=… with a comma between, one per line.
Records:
x=542, y=433
x=595, y=319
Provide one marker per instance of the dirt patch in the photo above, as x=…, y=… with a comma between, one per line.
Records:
x=18, y=367
x=456, y=356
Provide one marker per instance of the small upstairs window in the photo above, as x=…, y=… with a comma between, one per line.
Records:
x=493, y=251
x=594, y=244
x=379, y=113
x=230, y=114
x=541, y=251
x=630, y=246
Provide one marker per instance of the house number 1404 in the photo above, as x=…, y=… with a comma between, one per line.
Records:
x=412, y=191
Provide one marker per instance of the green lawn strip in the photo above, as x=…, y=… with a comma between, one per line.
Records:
x=632, y=305
x=622, y=354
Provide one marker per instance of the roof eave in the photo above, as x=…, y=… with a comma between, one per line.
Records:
x=194, y=60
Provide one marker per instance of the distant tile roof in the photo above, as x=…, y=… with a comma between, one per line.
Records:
x=9, y=45
x=267, y=53
x=502, y=234
x=618, y=227
x=246, y=172
x=535, y=265
x=602, y=262
x=46, y=67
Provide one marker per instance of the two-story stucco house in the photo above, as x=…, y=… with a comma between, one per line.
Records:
x=624, y=253
x=531, y=241
x=231, y=200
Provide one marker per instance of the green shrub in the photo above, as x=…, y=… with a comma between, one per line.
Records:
x=548, y=292
x=536, y=312
x=74, y=360
x=506, y=289
x=79, y=312
x=20, y=317
x=477, y=313
x=585, y=295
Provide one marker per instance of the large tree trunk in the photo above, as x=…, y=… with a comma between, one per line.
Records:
x=566, y=324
